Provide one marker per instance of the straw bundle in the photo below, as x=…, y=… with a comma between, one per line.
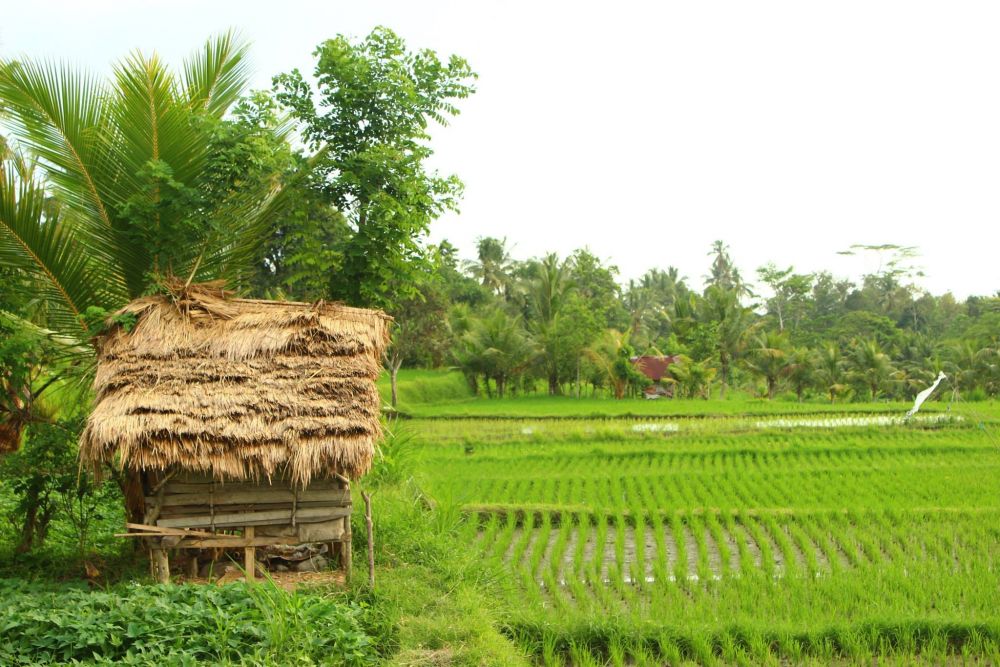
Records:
x=239, y=389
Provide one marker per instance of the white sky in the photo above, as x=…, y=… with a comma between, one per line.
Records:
x=647, y=130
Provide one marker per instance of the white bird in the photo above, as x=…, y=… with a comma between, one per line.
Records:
x=925, y=394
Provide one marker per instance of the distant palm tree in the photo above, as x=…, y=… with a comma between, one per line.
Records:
x=801, y=370
x=870, y=366
x=496, y=347
x=830, y=374
x=767, y=355
x=722, y=309
x=547, y=294
x=493, y=265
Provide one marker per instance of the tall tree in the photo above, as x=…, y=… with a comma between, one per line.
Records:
x=548, y=294
x=368, y=122
x=728, y=321
x=724, y=274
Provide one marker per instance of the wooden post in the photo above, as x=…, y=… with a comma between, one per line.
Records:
x=346, y=549
x=161, y=564
x=371, y=538
x=250, y=554
x=192, y=572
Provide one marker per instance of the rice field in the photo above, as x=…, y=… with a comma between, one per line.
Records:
x=727, y=539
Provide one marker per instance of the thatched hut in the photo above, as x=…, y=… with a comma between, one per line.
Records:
x=240, y=422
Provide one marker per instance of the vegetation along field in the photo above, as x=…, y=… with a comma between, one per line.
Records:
x=731, y=539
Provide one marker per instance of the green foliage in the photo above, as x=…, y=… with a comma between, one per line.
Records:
x=149, y=176
x=368, y=119
x=233, y=624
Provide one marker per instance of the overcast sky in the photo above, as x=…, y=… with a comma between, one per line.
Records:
x=645, y=131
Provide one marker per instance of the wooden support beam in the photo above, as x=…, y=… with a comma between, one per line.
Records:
x=192, y=566
x=250, y=554
x=347, y=549
x=232, y=541
x=162, y=565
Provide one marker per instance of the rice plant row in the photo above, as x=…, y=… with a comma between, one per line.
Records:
x=747, y=547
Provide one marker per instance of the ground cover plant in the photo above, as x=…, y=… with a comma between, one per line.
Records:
x=723, y=538
x=142, y=625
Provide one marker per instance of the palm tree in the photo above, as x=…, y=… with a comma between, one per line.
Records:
x=721, y=308
x=694, y=378
x=800, y=370
x=871, y=366
x=130, y=161
x=612, y=354
x=830, y=370
x=767, y=356
x=493, y=266
x=496, y=347
x=548, y=291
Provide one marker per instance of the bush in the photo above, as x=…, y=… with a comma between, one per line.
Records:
x=242, y=624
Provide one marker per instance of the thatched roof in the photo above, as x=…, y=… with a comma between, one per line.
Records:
x=239, y=389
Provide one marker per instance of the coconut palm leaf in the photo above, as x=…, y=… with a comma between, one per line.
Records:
x=216, y=75
x=48, y=251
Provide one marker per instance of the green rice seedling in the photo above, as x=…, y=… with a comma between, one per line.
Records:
x=617, y=653
x=696, y=528
x=721, y=543
x=550, y=652
x=540, y=544
x=800, y=539
x=790, y=647
x=768, y=563
x=759, y=648
x=680, y=565
x=702, y=649
x=668, y=649
x=620, y=566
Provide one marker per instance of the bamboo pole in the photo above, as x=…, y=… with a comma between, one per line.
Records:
x=371, y=538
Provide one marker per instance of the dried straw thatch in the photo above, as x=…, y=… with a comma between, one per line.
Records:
x=239, y=389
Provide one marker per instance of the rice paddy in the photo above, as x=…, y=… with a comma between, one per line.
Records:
x=714, y=539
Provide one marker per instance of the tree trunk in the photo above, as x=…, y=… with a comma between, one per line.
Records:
x=393, y=375
x=771, y=385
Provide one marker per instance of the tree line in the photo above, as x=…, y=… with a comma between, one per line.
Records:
x=567, y=326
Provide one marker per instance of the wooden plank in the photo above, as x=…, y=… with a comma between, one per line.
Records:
x=253, y=496
x=155, y=531
x=264, y=518
x=206, y=510
x=232, y=541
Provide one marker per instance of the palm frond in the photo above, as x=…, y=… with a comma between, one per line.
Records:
x=48, y=251
x=58, y=114
x=217, y=74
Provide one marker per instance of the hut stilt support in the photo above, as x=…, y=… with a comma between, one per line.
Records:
x=371, y=539
x=161, y=565
x=345, y=548
x=192, y=567
x=250, y=554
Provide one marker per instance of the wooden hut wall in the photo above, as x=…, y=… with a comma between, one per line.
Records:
x=276, y=510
